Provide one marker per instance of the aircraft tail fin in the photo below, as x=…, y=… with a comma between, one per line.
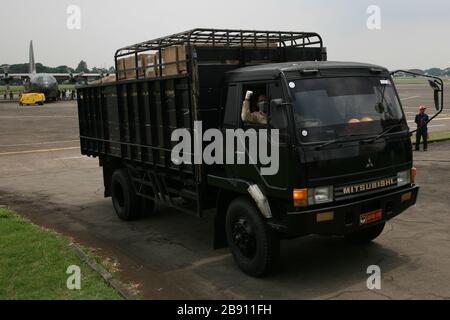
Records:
x=32, y=62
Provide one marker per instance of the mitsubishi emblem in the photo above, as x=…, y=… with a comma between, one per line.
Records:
x=369, y=164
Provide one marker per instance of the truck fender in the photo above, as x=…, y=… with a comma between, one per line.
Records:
x=261, y=200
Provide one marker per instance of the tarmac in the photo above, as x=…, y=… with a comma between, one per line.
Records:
x=170, y=254
x=414, y=95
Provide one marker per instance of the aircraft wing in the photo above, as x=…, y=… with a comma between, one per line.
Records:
x=60, y=76
x=76, y=76
x=14, y=75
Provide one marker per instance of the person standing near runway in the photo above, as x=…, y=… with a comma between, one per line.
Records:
x=422, y=128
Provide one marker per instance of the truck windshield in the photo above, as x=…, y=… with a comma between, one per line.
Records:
x=332, y=108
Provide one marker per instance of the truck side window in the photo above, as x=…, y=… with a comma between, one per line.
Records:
x=231, y=107
x=255, y=105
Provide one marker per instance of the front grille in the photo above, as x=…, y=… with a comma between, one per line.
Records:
x=362, y=188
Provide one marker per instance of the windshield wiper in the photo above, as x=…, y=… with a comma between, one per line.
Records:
x=338, y=140
x=382, y=134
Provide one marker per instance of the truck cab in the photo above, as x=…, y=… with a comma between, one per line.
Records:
x=344, y=144
x=345, y=154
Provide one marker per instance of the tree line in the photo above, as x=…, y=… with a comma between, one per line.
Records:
x=437, y=72
x=40, y=68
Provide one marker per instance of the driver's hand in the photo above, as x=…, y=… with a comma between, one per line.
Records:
x=248, y=95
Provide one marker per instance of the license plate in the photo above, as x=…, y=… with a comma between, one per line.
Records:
x=371, y=217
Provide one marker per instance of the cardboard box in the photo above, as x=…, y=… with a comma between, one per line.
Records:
x=148, y=64
x=172, y=57
x=121, y=69
x=130, y=67
x=159, y=68
x=107, y=79
x=126, y=68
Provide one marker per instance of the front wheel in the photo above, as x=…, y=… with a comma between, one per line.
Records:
x=366, y=235
x=254, y=246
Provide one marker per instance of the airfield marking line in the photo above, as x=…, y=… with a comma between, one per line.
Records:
x=46, y=107
x=34, y=117
x=409, y=98
x=437, y=119
x=35, y=143
x=37, y=151
x=71, y=158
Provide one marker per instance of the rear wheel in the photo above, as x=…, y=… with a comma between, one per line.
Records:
x=366, y=235
x=254, y=246
x=124, y=198
x=127, y=204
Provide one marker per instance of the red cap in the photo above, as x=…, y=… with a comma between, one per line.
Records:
x=422, y=108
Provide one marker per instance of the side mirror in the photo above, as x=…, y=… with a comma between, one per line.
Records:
x=437, y=91
x=436, y=83
x=278, y=119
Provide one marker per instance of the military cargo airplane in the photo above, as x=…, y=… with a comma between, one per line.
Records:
x=45, y=83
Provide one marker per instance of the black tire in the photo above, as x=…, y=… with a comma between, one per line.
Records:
x=366, y=235
x=124, y=199
x=254, y=246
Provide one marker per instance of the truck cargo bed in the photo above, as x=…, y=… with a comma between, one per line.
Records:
x=129, y=123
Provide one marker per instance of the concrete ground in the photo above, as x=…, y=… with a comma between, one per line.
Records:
x=43, y=176
x=414, y=95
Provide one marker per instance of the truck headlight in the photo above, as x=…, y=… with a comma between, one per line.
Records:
x=404, y=178
x=320, y=195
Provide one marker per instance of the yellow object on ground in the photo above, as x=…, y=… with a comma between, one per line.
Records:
x=32, y=98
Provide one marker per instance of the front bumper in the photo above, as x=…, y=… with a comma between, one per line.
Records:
x=346, y=217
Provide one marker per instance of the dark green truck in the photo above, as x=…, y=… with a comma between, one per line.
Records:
x=343, y=150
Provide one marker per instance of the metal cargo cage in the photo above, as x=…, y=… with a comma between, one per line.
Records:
x=222, y=46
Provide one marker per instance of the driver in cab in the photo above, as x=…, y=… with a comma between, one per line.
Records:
x=259, y=116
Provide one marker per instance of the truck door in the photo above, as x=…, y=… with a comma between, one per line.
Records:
x=263, y=121
x=278, y=120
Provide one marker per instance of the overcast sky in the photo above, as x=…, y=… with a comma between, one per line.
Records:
x=413, y=33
